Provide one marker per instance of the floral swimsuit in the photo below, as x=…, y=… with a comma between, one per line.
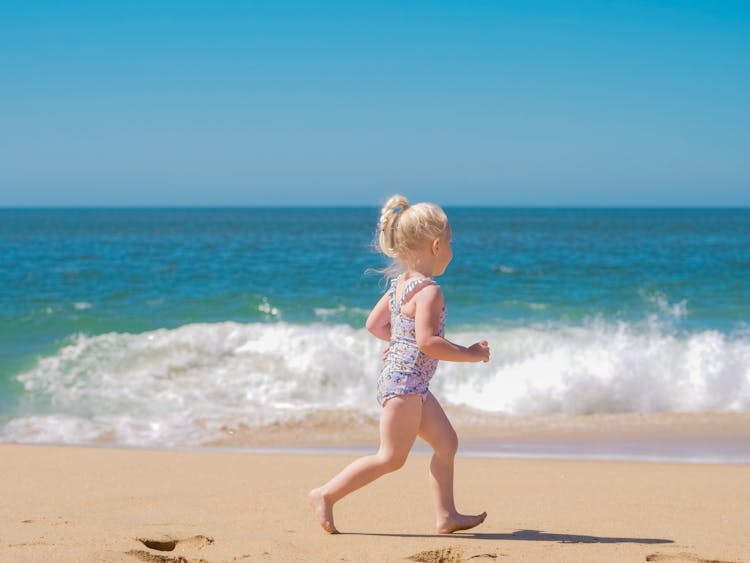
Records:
x=407, y=371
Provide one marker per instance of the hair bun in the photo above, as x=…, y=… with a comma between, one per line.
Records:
x=396, y=204
x=389, y=215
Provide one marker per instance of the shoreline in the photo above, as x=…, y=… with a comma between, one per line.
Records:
x=553, y=452
x=694, y=438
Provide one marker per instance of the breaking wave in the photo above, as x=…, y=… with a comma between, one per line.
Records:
x=184, y=386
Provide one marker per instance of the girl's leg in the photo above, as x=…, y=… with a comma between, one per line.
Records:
x=437, y=431
x=399, y=424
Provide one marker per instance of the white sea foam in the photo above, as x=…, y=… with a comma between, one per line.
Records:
x=605, y=368
x=341, y=310
x=658, y=298
x=270, y=311
x=187, y=385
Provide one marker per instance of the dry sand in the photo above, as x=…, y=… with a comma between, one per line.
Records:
x=100, y=504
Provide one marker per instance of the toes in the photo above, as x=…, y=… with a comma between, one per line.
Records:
x=322, y=511
x=330, y=528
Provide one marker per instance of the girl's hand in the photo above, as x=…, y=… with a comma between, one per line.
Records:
x=481, y=350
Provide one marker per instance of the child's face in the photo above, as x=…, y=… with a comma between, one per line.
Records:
x=444, y=252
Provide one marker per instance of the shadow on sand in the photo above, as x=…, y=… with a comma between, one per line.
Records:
x=522, y=535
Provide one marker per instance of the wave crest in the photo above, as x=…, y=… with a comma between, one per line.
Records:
x=185, y=386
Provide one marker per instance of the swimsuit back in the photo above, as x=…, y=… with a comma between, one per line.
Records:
x=407, y=370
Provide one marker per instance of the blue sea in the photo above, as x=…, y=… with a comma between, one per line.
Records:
x=165, y=327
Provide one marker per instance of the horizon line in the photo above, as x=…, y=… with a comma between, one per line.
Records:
x=361, y=206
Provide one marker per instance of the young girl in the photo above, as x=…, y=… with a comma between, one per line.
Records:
x=410, y=316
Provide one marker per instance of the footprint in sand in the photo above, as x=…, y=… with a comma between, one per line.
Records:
x=167, y=544
x=447, y=555
x=681, y=558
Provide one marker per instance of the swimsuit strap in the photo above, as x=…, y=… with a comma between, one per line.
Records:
x=409, y=287
x=392, y=292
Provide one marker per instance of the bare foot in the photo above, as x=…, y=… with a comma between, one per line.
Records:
x=460, y=522
x=323, y=510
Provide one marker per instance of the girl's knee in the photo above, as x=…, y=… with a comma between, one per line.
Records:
x=448, y=445
x=392, y=461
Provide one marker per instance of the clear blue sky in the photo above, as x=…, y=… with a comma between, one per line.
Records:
x=342, y=103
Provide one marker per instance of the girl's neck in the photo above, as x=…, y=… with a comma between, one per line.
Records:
x=413, y=274
x=419, y=270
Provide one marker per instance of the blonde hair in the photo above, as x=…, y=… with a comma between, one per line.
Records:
x=403, y=229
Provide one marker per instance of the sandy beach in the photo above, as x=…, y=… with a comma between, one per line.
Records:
x=232, y=232
x=105, y=504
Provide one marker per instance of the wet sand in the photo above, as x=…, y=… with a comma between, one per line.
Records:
x=683, y=437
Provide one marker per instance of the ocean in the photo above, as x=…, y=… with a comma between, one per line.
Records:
x=164, y=327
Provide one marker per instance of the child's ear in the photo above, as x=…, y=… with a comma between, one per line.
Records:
x=435, y=246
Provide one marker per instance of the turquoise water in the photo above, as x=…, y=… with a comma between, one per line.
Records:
x=644, y=309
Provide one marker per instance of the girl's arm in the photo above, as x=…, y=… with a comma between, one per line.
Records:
x=379, y=321
x=429, y=303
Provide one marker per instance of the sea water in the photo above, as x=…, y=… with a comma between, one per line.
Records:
x=165, y=327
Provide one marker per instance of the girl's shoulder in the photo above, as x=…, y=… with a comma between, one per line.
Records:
x=405, y=289
x=426, y=291
x=428, y=288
